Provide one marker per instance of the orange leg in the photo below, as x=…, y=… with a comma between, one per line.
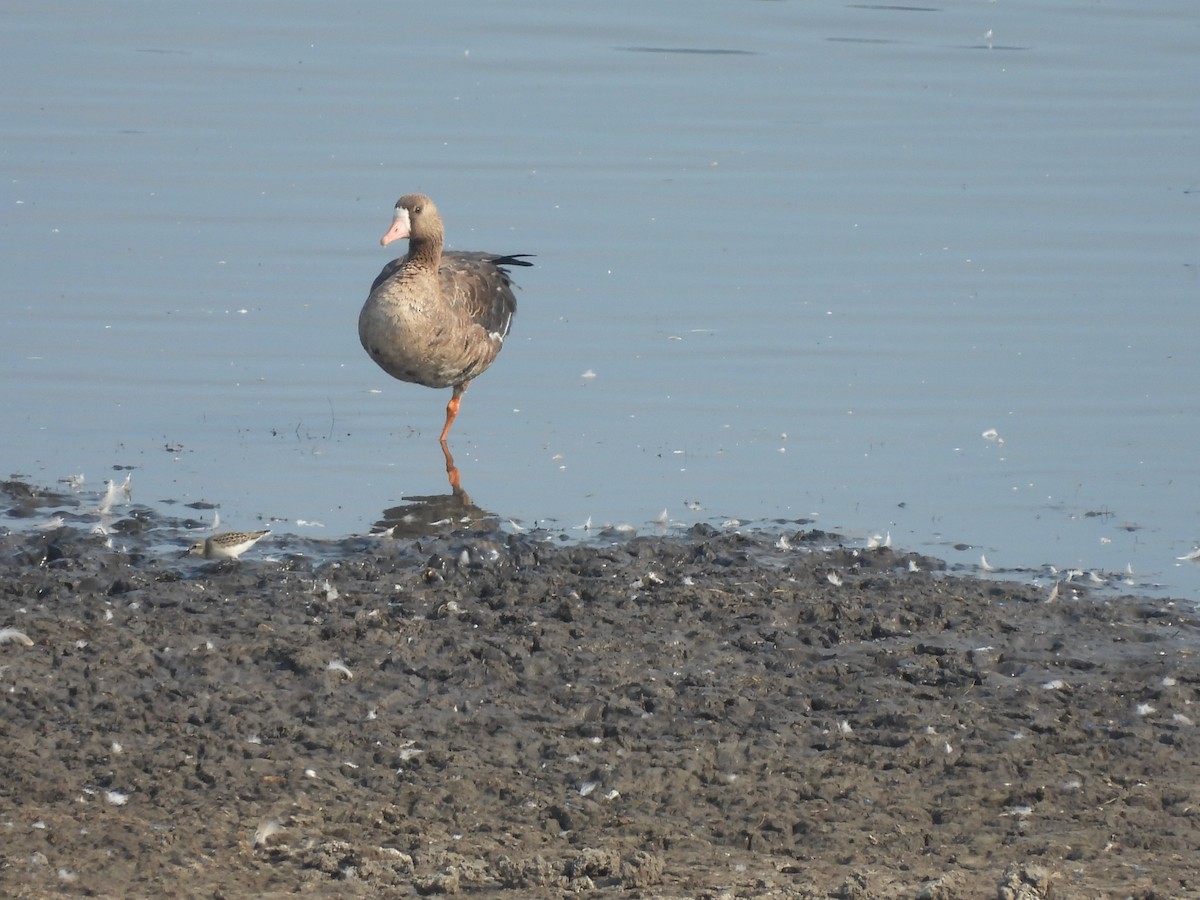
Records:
x=452, y=408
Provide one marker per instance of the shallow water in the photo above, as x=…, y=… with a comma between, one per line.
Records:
x=795, y=261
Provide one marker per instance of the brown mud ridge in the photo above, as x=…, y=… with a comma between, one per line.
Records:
x=478, y=714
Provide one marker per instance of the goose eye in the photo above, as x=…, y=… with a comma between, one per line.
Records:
x=416, y=209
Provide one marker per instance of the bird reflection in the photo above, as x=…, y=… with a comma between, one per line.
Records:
x=421, y=516
x=452, y=470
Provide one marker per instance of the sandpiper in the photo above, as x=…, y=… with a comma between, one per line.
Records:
x=227, y=545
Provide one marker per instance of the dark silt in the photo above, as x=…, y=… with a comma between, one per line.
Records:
x=704, y=715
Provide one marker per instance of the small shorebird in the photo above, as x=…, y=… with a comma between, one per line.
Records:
x=227, y=545
x=436, y=318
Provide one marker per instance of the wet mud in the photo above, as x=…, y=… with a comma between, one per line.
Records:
x=473, y=713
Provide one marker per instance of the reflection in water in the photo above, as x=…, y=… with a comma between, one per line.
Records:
x=451, y=469
x=437, y=513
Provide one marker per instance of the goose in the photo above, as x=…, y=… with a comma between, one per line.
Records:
x=436, y=317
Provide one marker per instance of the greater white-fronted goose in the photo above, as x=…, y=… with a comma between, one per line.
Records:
x=436, y=318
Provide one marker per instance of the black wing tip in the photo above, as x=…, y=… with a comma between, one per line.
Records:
x=516, y=259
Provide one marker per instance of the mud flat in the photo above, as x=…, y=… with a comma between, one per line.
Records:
x=707, y=715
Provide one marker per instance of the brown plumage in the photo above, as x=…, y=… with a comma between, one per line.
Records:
x=436, y=318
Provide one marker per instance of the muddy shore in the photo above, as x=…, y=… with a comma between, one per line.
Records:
x=473, y=713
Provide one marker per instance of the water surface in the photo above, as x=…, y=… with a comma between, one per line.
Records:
x=921, y=270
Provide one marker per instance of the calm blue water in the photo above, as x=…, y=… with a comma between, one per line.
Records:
x=795, y=260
